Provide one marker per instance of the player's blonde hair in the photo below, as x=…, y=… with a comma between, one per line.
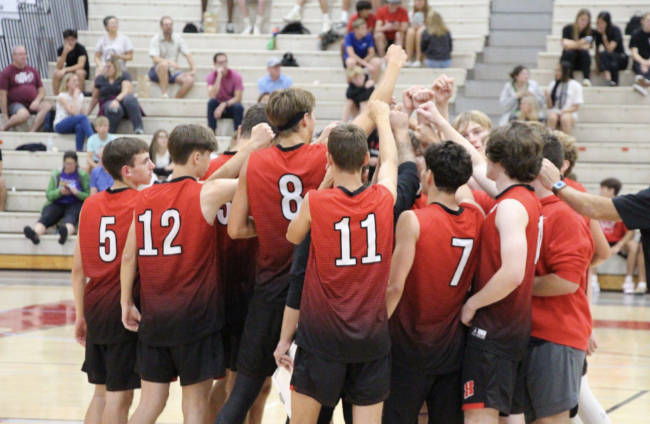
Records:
x=462, y=121
x=570, y=146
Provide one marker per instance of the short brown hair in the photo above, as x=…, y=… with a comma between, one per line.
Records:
x=255, y=115
x=612, y=183
x=187, y=139
x=462, y=121
x=101, y=120
x=120, y=152
x=348, y=145
x=358, y=22
x=518, y=148
x=570, y=146
x=285, y=105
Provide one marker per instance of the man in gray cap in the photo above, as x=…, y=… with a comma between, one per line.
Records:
x=274, y=80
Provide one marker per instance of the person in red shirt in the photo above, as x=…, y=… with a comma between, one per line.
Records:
x=428, y=343
x=364, y=11
x=103, y=227
x=343, y=338
x=390, y=28
x=561, y=319
x=172, y=241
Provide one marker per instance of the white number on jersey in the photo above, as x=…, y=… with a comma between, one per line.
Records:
x=291, y=191
x=467, y=245
x=168, y=244
x=540, y=236
x=107, y=240
x=346, y=259
x=224, y=213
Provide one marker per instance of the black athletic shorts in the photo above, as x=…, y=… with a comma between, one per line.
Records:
x=492, y=381
x=192, y=362
x=112, y=365
x=67, y=214
x=363, y=384
x=259, y=340
x=232, y=334
x=410, y=389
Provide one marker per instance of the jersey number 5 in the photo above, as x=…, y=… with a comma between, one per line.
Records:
x=346, y=259
x=107, y=239
x=168, y=247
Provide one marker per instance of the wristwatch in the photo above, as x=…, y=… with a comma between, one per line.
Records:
x=558, y=186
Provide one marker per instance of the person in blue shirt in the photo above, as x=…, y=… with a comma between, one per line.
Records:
x=274, y=80
x=100, y=180
x=360, y=49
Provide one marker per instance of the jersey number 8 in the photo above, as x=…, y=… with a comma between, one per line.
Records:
x=291, y=191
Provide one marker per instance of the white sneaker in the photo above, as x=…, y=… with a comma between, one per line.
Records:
x=639, y=89
x=257, y=30
x=586, y=82
x=164, y=96
x=641, y=288
x=247, y=30
x=628, y=287
x=408, y=64
x=293, y=16
x=327, y=26
x=417, y=64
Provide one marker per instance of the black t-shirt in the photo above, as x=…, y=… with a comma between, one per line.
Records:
x=634, y=210
x=108, y=90
x=613, y=35
x=641, y=40
x=567, y=33
x=73, y=57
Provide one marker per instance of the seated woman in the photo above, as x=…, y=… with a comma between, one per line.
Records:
x=436, y=42
x=576, y=42
x=114, y=93
x=514, y=90
x=563, y=97
x=612, y=58
x=414, y=33
x=359, y=91
x=528, y=110
x=70, y=111
x=159, y=155
x=66, y=192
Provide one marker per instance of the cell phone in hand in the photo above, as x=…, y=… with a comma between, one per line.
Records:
x=589, y=39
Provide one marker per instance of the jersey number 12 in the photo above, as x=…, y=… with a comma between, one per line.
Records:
x=168, y=245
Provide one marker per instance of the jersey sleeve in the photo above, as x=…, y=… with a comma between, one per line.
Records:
x=633, y=209
x=567, y=257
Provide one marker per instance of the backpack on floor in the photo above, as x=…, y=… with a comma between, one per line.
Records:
x=633, y=24
x=294, y=28
x=289, y=60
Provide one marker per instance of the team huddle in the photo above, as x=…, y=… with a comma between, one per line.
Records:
x=453, y=278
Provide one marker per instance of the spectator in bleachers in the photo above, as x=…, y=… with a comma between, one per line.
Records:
x=296, y=14
x=640, y=48
x=622, y=241
x=164, y=49
x=364, y=11
x=528, y=110
x=474, y=126
x=360, y=49
x=436, y=42
x=225, y=90
x=100, y=180
x=257, y=27
x=414, y=33
x=71, y=57
x=359, y=91
x=513, y=91
x=111, y=45
x=3, y=188
x=159, y=154
x=66, y=192
x=114, y=93
x=391, y=26
x=70, y=115
x=612, y=58
x=275, y=79
x=97, y=142
x=22, y=93
x=563, y=97
x=576, y=42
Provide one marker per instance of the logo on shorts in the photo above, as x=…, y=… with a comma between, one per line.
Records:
x=477, y=332
x=469, y=389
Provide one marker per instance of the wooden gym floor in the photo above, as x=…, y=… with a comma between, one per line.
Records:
x=41, y=381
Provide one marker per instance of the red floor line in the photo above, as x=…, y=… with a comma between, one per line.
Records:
x=36, y=317
x=626, y=325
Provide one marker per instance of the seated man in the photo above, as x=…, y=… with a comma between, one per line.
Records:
x=640, y=48
x=275, y=79
x=22, y=93
x=225, y=89
x=392, y=23
x=71, y=57
x=364, y=11
x=164, y=50
x=623, y=241
x=360, y=50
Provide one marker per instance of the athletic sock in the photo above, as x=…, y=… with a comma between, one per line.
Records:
x=258, y=20
x=345, y=16
x=247, y=21
x=243, y=396
x=326, y=16
x=590, y=411
x=297, y=8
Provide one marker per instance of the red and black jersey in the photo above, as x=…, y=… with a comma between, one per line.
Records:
x=237, y=258
x=426, y=332
x=484, y=200
x=421, y=200
x=177, y=256
x=503, y=328
x=278, y=179
x=567, y=249
x=343, y=313
x=614, y=231
x=103, y=229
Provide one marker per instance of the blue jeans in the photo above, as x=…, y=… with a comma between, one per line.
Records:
x=236, y=112
x=438, y=63
x=77, y=124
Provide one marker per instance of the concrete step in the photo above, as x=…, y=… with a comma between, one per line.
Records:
x=560, y=22
x=628, y=173
x=490, y=89
x=554, y=43
x=314, y=76
x=549, y=60
x=27, y=180
x=26, y=201
x=620, y=133
x=14, y=222
x=190, y=11
x=492, y=54
x=614, y=152
x=517, y=6
x=520, y=21
x=33, y=161
x=613, y=96
x=529, y=38
x=619, y=10
x=18, y=244
x=545, y=76
x=489, y=106
x=494, y=72
x=614, y=114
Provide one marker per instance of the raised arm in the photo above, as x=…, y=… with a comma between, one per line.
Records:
x=240, y=224
x=214, y=194
x=407, y=234
x=387, y=174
